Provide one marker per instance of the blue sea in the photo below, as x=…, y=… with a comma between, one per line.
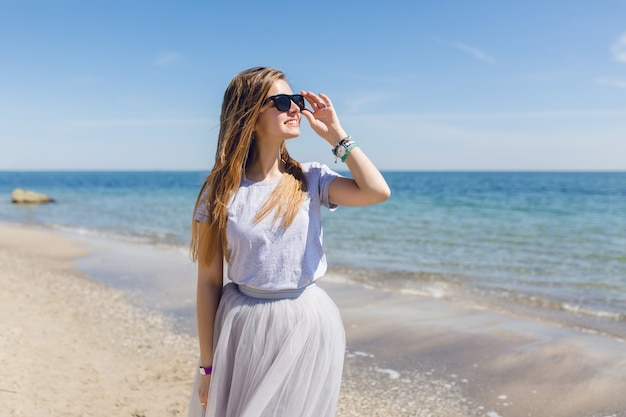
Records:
x=550, y=246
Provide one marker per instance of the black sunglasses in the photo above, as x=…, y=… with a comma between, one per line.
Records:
x=283, y=101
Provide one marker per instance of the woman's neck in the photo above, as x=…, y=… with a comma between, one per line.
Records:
x=265, y=165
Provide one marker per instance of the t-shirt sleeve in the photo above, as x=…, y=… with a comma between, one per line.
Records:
x=326, y=177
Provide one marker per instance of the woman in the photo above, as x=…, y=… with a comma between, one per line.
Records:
x=271, y=342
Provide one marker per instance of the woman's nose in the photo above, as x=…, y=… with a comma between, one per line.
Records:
x=293, y=107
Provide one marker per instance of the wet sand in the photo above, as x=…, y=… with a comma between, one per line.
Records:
x=499, y=364
x=71, y=345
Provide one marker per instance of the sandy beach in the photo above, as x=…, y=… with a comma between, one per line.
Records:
x=73, y=346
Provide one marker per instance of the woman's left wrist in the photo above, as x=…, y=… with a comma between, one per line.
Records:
x=343, y=148
x=205, y=370
x=338, y=138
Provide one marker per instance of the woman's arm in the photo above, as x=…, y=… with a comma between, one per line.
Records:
x=209, y=290
x=368, y=186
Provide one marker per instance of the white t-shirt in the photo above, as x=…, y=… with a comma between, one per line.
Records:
x=263, y=255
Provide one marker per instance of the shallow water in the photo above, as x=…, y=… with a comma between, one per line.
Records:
x=549, y=244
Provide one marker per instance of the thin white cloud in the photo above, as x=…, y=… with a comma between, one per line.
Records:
x=613, y=82
x=475, y=52
x=168, y=59
x=471, y=50
x=549, y=144
x=618, y=49
x=97, y=123
x=357, y=104
x=506, y=115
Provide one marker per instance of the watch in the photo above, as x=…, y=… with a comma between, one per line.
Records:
x=205, y=370
x=342, y=147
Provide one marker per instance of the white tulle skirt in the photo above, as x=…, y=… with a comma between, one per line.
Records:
x=275, y=357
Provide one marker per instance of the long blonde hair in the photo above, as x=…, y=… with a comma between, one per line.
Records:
x=243, y=100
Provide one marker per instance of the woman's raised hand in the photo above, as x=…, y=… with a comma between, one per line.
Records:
x=323, y=118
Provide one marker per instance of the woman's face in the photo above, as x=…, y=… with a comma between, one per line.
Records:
x=273, y=124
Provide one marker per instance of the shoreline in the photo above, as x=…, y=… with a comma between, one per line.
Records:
x=452, y=289
x=407, y=355
x=608, y=319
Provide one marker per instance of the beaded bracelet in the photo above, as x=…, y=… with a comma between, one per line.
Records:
x=348, y=150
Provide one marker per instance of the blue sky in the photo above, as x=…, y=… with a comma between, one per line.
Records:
x=446, y=85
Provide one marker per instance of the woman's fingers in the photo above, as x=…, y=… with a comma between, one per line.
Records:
x=326, y=99
x=317, y=102
x=203, y=392
x=323, y=118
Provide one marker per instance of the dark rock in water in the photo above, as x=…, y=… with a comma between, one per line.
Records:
x=22, y=196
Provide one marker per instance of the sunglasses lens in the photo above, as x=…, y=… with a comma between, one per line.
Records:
x=282, y=102
x=299, y=100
